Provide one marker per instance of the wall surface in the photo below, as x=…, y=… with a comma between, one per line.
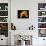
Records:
x=23, y=24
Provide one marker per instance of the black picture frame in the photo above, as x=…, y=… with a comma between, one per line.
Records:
x=23, y=14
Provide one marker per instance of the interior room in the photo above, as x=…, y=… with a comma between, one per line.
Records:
x=22, y=22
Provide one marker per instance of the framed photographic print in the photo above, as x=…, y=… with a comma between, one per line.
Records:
x=42, y=32
x=3, y=13
x=23, y=13
x=41, y=6
x=3, y=19
x=41, y=25
x=41, y=19
x=3, y=6
x=4, y=29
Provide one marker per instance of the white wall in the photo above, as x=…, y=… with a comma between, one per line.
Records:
x=23, y=24
x=32, y=6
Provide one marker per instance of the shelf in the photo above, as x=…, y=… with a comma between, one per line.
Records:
x=42, y=16
x=41, y=28
x=3, y=16
x=3, y=10
x=41, y=10
x=41, y=22
x=4, y=19
x=42, y=19
x=3, y=22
